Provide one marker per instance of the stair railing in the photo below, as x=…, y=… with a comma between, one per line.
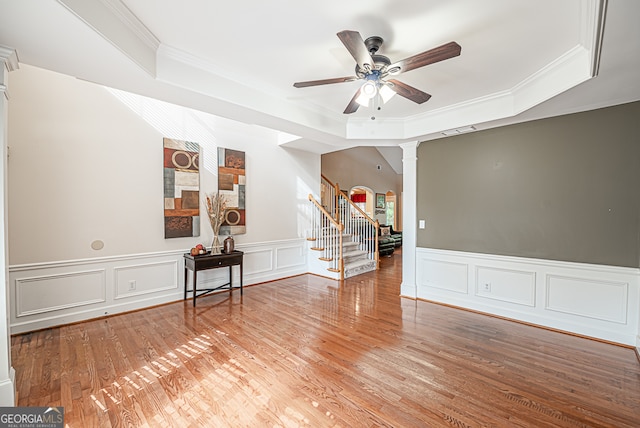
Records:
x=326, y=233
x=359, y=225
x=328, y=196
x=355, y=222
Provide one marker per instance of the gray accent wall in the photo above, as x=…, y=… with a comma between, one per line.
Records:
x=565, y=188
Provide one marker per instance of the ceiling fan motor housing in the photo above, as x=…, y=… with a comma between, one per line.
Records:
x=373, y=43
x=380, y=64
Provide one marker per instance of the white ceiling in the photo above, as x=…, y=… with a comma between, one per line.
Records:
x=520, y=60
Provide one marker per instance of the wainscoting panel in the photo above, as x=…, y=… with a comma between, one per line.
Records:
x=48, y=294
x=261, y=260
x=506, y=285
x=445, y=275
x=588, y=298
x=290, y=257
x=598, y=301
x=148, y=278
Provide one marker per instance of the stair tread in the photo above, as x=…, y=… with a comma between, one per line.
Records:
x=353, y=253
x=358, y=263
x=359, y=267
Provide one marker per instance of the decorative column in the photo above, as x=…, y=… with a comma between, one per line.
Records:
x=8, y=62
x=409, y=287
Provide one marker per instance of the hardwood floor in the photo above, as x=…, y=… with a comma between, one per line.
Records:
x=312, y=352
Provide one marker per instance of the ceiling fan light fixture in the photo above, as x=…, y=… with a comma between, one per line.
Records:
x=363, y=99
x=386, y=93
x=369, y=89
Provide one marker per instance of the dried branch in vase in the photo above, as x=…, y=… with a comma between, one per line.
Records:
x=216, y=208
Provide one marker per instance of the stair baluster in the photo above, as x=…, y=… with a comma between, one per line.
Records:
x=336, y=218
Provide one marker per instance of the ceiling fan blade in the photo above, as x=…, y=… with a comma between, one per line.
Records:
x=409, y=92
x=352, y=40
x=446, y=51
x=352, y=107
x=324, y=82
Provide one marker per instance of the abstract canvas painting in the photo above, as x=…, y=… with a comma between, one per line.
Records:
x=232, y=184
x=181, y=189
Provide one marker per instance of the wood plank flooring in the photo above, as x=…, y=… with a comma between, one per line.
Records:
x=312, y=352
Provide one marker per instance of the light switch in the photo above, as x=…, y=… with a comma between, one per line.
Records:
x=421, y=224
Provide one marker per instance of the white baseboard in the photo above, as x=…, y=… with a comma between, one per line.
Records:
x=49, y=294
x=597, y=301
x=8, y=390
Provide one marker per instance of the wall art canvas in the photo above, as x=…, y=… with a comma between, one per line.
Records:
x=232, y=184
x=181, y=189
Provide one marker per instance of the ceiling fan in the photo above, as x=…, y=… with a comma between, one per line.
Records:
x=375, y=69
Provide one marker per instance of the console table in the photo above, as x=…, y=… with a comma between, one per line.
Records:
x=211, y=261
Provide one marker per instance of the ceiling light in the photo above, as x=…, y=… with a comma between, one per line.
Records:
x=386, y=93
x=369, y=89
x=363, y=100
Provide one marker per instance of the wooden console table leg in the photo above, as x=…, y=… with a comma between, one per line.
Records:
x=195, y=273
x=186, y=274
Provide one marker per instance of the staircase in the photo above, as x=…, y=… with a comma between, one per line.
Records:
x=344, y=239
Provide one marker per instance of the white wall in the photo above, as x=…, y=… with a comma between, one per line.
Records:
x=84, y=166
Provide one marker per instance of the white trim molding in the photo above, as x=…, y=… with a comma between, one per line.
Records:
x=602, y=302
x=45, y=295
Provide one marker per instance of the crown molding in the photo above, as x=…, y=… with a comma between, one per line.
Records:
x=133, y=23
x=112, y=20
x=593, y=13
x=10, y=58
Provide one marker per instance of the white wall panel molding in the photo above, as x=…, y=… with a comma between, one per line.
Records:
x=261, y=260
x=49, y=294
x=603, y=300
x=597, y=301
x=290, y=257
x=507, y=285
x=135, y=280
x=94, y=260
x=445, y=275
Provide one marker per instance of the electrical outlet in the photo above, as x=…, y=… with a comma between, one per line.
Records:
x=487, y=286
x=132, y=285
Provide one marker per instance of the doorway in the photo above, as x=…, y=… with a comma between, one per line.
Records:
x=390, y=210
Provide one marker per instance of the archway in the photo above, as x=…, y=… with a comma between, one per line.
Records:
x=363, y=197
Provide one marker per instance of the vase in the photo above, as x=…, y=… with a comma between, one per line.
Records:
x=229, y=245
x=215, y=245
